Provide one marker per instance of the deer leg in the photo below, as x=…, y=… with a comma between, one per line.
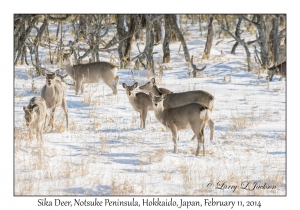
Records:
x=174, y=137
x=271, y=77
x=51, y=123
x=40, y=132
x=64, y=107
x=143, y=117
x=141, y=120
x=211, y=125
x=117, y=78
x=82, y=88
x=46, y=117
x=202, y=140
x=78, y=85
x=196, y=129
x=203, y=124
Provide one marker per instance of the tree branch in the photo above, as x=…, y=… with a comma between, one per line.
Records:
x=243, y=17
x=60, y=18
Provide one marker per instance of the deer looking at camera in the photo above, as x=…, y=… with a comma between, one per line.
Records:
x=35, y=115
x=54, y=95
x=140, y=102
x=193, y=116
x=91, y=73
x=183, y=98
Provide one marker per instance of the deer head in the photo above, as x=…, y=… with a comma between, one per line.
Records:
x=148, y=86
x=157, y=100
x=30, y=114
x=130, y=90
x=50, y=78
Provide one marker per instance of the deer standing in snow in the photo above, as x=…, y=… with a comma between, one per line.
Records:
x=91, y=73
x=179, y=99
x=54, y=94
x=35, y=115
x=140, y=102
x=193, y=116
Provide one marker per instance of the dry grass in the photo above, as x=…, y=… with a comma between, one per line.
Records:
x=123, y=188
x=241, y=122
x=90, y=156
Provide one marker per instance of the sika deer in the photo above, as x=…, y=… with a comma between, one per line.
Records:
x=91, y=73
x=54, y=94
x=35, y=116
x=192, y=116
x=277, y=70
x=183, y=98
x=140, y=102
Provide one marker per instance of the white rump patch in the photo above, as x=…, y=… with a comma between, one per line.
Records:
x=205, y=114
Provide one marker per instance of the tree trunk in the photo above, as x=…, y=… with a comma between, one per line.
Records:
x=149, y=46
x=237, y=34
x=263, y=27
x=273, y=44
x=176, y=29
x=121, y=34
x=36, y=45
x=157, y=30
x=131, y=31
x=241, y=42
x=166, y=49
x=200, y=27
x=148, y=50
x=210, y=35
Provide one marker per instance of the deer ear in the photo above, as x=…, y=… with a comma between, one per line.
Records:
x=124, y=85
x=135, y=85
x=163, y=96
x=151, y=95
x=153, y=81
x=24, y=108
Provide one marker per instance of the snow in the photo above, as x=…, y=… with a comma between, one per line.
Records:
x=104, y=152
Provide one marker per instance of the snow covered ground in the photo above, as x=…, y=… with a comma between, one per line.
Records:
x=104, y=152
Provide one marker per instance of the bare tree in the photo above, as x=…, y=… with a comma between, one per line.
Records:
x=133, y=24
x=268, y=37
x=37, y=41
x=240, y=41
x=121, y=35
x=210, y=35
x=147, y=53
x=23, y=25
x=262, y=24
x=176, y=29
x=171, y=23
x=166, y=49
x=237, y=34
